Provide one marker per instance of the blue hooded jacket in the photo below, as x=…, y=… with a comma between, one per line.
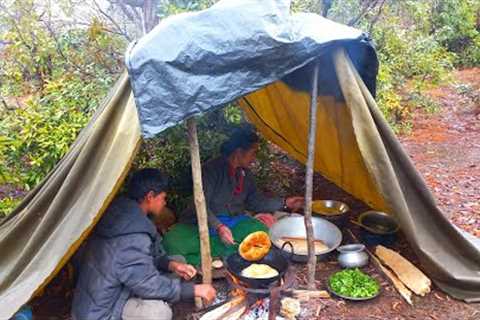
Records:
x=122, y=260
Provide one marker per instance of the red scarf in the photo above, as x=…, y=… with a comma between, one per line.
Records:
x=238, y=189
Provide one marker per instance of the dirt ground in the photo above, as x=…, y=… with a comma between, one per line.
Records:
x=445, y=147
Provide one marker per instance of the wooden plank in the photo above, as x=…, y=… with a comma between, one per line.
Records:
x=312, y=258
x=307, y=294
x=200, y=206
x=404, y=292
x=410, y=275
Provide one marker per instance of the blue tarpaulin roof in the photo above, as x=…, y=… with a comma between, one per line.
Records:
x=195, y=62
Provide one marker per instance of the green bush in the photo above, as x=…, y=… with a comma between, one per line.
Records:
x=412, y=59
x=60, y=78
x=410, y=63
x=7, y=204
x=38, y=134
x=53, y=82
x=170, y=151
x=455, y=26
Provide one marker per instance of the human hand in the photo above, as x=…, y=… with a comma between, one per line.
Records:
x=225, y=234
x=266, y=218
x=184, y=270
x=205, y=291
x=295, y=203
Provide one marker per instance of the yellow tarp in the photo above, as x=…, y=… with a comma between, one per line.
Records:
x=281, y=115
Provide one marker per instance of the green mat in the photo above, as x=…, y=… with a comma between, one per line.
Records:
x=183, y=239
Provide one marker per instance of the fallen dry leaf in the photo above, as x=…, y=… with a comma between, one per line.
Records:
x=395, y=306
x=438, y=296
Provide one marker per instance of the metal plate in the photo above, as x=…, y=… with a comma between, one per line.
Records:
x=329, y=208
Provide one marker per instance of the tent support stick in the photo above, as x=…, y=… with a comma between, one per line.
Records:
x=200, y=206
x=312, y=259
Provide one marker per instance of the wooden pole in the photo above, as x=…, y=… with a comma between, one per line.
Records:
x=312, y=259
x=200, y=206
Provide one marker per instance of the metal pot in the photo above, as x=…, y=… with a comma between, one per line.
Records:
x=294, y=227
x=276, y=258
x=352, y=256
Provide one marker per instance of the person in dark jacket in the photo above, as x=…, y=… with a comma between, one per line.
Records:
x=123, y=274
x=230, y=188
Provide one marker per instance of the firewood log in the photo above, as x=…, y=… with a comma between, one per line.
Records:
x=410, y=275
x=306, y=294
x=227, y=310
x=404, y=292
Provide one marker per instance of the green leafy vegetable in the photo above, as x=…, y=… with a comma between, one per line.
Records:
x=353, y=283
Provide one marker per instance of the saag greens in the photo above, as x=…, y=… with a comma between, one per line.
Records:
x=353, y=283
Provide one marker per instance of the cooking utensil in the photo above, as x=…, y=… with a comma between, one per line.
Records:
x=352, y=256
x=377, y=222
x=294, y=227
x=276, y=258
x=331, y=210
x=329, y=207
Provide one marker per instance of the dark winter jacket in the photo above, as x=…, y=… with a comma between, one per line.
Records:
x=122, y=260
x=219, y=186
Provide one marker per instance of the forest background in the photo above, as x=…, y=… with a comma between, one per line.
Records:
x=58, y=59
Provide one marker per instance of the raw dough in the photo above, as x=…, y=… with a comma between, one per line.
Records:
x=259, y=271
x=300, y=245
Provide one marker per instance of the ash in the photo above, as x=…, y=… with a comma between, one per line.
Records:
x=258, y=311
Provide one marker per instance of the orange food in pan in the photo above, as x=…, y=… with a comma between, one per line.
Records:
x=255, y=246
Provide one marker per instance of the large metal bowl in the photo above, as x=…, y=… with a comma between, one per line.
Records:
x=294, y=227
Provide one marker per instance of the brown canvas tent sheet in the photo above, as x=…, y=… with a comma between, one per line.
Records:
x=53, y=220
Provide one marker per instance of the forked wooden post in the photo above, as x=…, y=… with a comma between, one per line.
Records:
x=200, y=205
x=312, y=259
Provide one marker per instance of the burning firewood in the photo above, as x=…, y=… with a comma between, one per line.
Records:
x=231, y=310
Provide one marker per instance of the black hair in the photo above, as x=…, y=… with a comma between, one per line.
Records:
x=145, y=180
x=243, y=138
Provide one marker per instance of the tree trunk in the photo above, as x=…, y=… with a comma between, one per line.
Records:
x=150, y=18
x=312, y=258
x=326, y=5
x=200, y=205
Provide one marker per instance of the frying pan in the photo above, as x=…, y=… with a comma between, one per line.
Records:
x=275, y=259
